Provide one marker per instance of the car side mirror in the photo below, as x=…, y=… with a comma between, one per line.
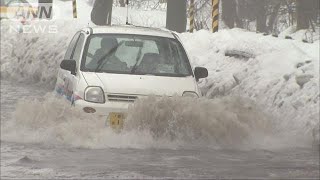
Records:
x=69, y=65
x=200, y=72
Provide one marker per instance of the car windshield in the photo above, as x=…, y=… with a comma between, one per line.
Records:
x=135, y=54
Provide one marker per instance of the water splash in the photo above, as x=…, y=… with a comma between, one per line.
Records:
x=227, y=122
x=151, y=123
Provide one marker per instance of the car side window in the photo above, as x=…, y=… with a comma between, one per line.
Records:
x=71, y=46
x=77, y=52
x=95, y=44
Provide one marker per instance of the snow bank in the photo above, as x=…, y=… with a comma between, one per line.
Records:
x=302, y=35
x=283, y=76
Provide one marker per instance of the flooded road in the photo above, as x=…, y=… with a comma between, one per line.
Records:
x=39, y=139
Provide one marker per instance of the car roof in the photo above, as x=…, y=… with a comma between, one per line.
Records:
x=130, y=29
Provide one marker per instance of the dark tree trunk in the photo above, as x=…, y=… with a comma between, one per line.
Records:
x=316, y=9
x=243, y=9
x=101, y=13
x=239, y=22
x=261, y=16
x=228, y=12
x=273, y=16
x=304, y=10
x=177, y=15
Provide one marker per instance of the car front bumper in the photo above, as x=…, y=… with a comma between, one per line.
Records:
x=105, y=108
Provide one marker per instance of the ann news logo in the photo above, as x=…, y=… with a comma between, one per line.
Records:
x=22, y=10
x=25, y=15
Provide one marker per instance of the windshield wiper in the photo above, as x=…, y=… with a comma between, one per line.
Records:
x=137, y=61
x=103, y=60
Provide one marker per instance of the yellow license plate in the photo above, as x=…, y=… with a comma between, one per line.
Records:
x=116, y=120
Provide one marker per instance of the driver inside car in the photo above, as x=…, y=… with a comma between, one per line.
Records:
x=105, y=57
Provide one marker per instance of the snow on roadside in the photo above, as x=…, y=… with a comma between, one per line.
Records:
x=281, y=75
x=308, y=35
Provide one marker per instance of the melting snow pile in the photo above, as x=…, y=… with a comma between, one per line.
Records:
x=280, y=75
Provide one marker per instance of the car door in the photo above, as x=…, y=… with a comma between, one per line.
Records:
x=77, y=56
x=64, y=85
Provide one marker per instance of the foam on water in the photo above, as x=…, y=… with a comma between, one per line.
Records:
x=151, y=123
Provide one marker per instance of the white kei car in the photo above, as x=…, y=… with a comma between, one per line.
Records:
x=105, y=69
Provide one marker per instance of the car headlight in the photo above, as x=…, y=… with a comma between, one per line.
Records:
x=190, y=94
x=94, y=94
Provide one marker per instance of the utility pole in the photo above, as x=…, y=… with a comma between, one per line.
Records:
x=191, y=12
x=215, y=15
x=177, y=15
x=74, y=8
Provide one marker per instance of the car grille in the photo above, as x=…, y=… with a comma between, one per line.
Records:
x=122, y=98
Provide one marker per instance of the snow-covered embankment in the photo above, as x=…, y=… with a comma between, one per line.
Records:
x=280, y=75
